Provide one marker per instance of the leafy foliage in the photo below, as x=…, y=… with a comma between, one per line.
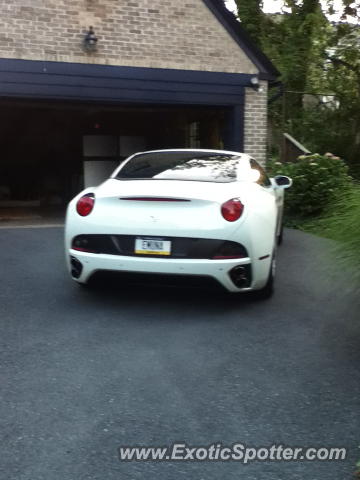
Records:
x=343, y=78
x=322, y=58
x=340, y=222
x=318, y=182
x=291, y=40
x=315, y=56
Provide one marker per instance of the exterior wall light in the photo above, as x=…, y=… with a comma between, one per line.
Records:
x=255, y=84
x=90, y=40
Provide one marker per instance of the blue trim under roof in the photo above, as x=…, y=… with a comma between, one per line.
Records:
x=266, y=68
x=116, y=84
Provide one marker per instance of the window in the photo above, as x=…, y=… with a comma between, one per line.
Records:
x=182, y=165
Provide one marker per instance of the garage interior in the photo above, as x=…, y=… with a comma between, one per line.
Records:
x=51, y=150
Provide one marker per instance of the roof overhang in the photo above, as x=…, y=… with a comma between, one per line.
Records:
x=117, y=84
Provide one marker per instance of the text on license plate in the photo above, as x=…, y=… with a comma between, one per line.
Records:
x=147, y=246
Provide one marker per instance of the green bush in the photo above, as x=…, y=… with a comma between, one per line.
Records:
x=341, y=223
x=318, y=181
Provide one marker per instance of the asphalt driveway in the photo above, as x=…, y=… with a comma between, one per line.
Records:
x=84, y=372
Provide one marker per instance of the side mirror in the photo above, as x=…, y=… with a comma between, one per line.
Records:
x=282, y=181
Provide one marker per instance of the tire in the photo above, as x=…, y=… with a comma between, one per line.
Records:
x=280, y=237
x=84, y=286
x=268, y=290
x=88, y=285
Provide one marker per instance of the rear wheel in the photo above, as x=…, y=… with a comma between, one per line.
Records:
x=268, y=290
x=85, y=286
x=280, y=236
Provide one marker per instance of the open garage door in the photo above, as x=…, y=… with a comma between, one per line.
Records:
x=51, y=150
x=64, y=125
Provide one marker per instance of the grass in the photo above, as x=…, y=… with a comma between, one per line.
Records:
x=341, y=223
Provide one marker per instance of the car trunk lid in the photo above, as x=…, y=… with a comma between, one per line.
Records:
x=162, y=207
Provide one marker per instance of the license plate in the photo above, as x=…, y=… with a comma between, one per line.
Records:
x=152, y=246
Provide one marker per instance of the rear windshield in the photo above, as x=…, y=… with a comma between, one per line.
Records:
x=193, y=166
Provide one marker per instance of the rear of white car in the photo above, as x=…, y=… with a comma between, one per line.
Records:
x=219, y=230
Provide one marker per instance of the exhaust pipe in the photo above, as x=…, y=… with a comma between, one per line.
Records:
x=76, y=267
x=240, y=276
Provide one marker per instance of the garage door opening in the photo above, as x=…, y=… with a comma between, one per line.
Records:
x=49, y=151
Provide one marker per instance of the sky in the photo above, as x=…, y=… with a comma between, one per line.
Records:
x=273, y=6
x=270, y=6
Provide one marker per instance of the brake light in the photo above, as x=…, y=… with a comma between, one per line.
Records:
x=85, y=204
x=232, y=209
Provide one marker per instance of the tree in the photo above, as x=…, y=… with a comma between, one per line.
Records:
x=291, y=40
x=253, y=19
x=314, y=55
x=343, y=76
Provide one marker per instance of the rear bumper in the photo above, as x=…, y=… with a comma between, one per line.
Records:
x=218, y=270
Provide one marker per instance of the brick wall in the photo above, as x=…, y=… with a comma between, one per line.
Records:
x=146, y=33
x=255, y=119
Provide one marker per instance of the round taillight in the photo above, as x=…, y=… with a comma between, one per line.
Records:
x=85, y=204
x=232, y=209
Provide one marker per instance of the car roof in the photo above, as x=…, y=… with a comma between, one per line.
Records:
x=202, y=150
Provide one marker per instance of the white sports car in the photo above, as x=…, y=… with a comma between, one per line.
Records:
x=180, y=214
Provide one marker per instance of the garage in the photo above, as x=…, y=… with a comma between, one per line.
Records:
x=66, y=126
x=50, y=150
x=87, y=86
